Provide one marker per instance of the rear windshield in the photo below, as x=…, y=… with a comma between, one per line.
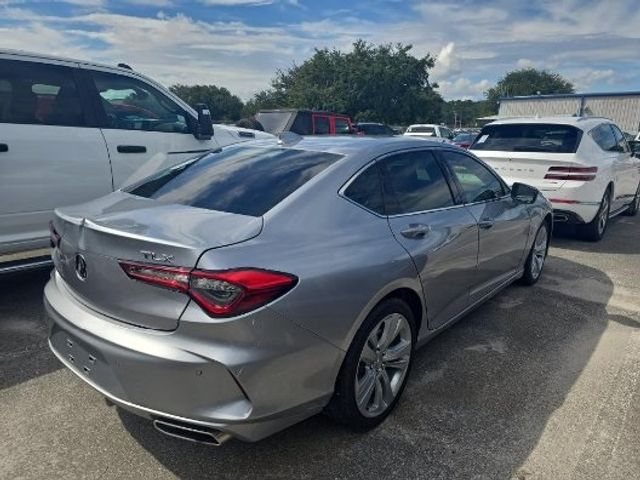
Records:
x=427, y=130
x=240, y=179
x=529, y=137
x=274, y=122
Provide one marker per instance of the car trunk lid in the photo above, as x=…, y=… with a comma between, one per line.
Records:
x=97, y=236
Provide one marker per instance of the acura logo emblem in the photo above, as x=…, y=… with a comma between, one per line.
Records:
x=81, y=267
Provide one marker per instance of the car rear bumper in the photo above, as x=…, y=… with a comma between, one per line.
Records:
x=235, y=388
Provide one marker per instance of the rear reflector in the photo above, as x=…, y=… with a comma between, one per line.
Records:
x=582, y=174
x=223, y=293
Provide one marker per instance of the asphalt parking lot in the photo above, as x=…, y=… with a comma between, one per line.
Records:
x=539, y=383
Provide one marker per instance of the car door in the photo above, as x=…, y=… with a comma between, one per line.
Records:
x=144, y=129
x=504, y=224
x=627, y=165
x=440, y=235
x=50, y=154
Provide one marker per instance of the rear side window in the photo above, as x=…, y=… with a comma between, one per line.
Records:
x=478, y=183
x=528, y=137
x=321, y=125
x=414, y=182
x=366, y=190
x=39, y=94
x=240, y=179
x=603, y=135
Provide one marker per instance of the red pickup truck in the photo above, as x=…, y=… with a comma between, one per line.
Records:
x=304, y=122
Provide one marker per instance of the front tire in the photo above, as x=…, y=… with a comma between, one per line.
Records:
x=594, y=230
x=375, y=370
x=537, y=256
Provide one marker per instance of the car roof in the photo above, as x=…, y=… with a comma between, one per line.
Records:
x=583, y=123
x=25, y=55
x=349, y=145
x=425, y=125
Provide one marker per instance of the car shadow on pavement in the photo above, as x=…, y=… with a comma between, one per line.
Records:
x=24, y=352
x=619, y=237
x=477, y=402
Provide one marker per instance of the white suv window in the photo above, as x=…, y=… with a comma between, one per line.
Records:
x=605, y=138
x=130, y=104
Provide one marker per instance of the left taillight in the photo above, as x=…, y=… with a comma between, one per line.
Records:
x=54, y=236
x=223, y=293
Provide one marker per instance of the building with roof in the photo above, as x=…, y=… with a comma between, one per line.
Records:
x=621, y=107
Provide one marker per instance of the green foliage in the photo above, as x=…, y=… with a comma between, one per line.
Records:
x=224, y=106
x=376, y=83
x=464, y=112
x=527, y=81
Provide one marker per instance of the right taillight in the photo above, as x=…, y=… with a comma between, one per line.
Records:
x=583, y=174
x=222, y=293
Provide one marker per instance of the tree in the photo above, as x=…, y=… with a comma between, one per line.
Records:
x=224, y=106
x=527, y=81
x=381, y=83
x=464, y=112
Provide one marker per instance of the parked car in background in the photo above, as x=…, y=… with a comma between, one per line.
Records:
x=438, y=133
x=583, y=165
x=304, y=122
x=203, y=299
x=464, y=140
x=72, y=130
x=370, y=128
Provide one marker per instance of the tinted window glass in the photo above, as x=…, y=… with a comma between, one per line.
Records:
x=429, y=131
x=414, y=182
x=528, y=137
x=620, y=139
x=321, y=125
x=240, y=179
x=342, y=126
x=478, y=182
x=366, y=190
x=603, y=135
x=36, y=93
x=130, y=104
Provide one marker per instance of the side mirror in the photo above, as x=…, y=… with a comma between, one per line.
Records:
x=204, y=128
x=524, y=193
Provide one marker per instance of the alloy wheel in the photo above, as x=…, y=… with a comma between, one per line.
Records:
x=604, y=215
x=539, y=252
x=383, y=364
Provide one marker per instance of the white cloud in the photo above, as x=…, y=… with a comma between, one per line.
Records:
x=583, y=80
x=463, y=88
x=447, y=62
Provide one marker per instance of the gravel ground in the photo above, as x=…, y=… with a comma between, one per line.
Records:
x=539, y=383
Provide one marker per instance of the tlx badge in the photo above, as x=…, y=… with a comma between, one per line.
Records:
x=157, y=257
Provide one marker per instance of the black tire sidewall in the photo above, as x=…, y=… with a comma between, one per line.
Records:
x=343, y=406
x=527, y=276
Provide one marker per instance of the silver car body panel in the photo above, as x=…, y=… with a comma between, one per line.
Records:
x=256, y=373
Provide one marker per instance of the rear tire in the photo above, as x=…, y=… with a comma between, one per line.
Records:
x=635, y=205
x=594, y=230
x=537, y=256
x=375, y=370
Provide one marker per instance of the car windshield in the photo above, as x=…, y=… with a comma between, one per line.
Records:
x=239, y=179
x=528, y=137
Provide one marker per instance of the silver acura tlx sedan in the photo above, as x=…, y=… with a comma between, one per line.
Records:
x=243, y=291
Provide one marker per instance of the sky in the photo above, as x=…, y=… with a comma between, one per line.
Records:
x=239, y=44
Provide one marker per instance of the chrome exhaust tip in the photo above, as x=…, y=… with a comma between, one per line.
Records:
x=191, y=433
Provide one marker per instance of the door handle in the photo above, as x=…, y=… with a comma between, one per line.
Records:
x=4, y=147
x=486, y=224
x=416, y=231
x=132, y=149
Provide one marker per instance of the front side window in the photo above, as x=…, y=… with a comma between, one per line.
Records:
x=478, y=183
x=239, y=179
x=130, y=104
x=414, y=182
x=366, y=190
x=321, y=125
x=39, y=94
x=528, y=137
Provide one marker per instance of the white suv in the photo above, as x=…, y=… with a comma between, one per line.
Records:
x=71, y=131
x=438, y=133
x=583, y=165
